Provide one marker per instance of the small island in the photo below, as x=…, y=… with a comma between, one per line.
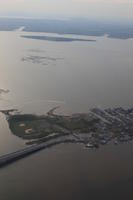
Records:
x=57, y=39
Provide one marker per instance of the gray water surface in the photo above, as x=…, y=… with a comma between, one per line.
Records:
x=75, y=76
x=71, y=172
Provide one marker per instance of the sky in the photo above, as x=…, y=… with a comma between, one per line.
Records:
x=92, y=9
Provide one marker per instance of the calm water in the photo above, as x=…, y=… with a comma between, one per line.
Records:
x=74, y=76
x=71, y=172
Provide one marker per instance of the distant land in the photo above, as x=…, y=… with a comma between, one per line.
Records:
x=56, y=39
x=2, y=91
x=73, y=26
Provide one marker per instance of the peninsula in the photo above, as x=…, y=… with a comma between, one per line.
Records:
x=93, y=129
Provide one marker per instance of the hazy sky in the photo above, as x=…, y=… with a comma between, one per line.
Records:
x=107, y=9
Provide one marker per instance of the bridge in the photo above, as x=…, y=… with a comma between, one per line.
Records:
x=14, y=156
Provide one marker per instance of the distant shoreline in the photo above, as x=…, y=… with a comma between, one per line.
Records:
x=74, y=27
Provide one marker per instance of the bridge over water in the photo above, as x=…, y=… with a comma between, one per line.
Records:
x=14, y=156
